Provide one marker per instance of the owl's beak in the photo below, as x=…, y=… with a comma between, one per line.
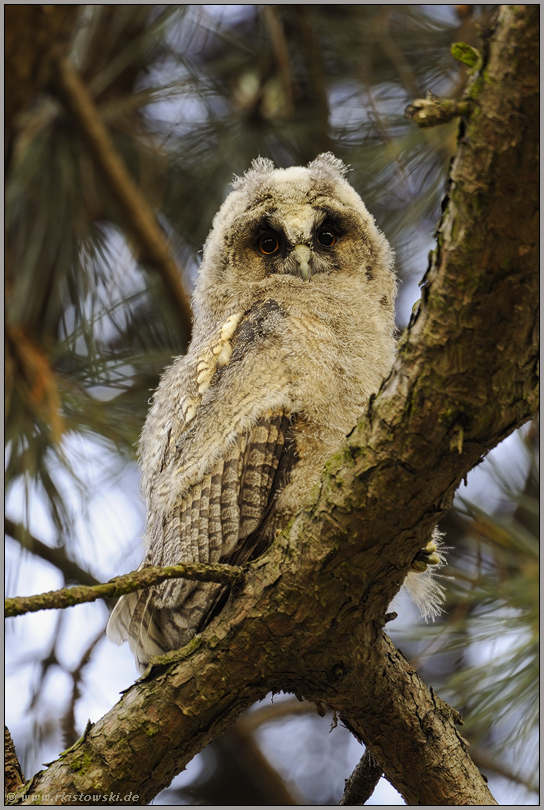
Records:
x=302, y=254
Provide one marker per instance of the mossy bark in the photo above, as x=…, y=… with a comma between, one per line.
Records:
x=309, y=616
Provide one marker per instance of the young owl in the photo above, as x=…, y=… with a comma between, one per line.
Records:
x=294, y=330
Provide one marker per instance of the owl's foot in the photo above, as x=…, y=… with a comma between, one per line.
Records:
x=426, y=556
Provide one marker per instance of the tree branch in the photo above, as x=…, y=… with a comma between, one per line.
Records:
x=361, y=784
x=13, y=775
x=254, y=766
x=487, y=761
x=140, y=218
x=55, y=556
x=308, y=619
x=281, y=53
x=118, y=586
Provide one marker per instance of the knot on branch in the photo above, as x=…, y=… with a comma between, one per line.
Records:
x=431, y=111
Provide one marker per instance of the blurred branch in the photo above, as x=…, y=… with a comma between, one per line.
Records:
x=68, y=721
x=486, y=761
x=251, y=759
x=37, y=382
x=135, y=581
x=55, y=556
x=281, y=53
x=35, y=36
x=251, y=721
x=393, y=52
x=141, y=220
x=13, y=775
x=317, y=80
x=361, y=784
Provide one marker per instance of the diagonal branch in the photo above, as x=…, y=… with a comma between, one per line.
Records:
x=56, y=556
x=140, y=218
x=310, y=615
x=361, y=784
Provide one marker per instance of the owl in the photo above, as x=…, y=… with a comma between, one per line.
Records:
x=293, y=332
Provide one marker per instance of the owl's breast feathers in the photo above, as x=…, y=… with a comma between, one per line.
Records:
x=229, y=450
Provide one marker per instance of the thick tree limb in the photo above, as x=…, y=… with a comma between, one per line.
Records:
x=140, y=218
x=135, y=581
x=309, y=618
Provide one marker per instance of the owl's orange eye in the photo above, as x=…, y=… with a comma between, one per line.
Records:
x=326, y=237
x=268, y=245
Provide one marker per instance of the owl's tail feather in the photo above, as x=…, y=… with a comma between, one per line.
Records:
x=134, y=620
x=153, y=628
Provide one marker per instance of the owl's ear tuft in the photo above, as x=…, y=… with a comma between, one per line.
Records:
x=260, y=167
x=327, y=167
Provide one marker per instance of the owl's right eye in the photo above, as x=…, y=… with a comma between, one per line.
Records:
x=268, y=245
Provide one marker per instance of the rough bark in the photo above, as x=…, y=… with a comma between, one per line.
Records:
x=309, y=617
x=361, y=784
x=13, y=775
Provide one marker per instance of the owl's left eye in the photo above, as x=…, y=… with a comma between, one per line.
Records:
x=326, y=237
x=268, y=245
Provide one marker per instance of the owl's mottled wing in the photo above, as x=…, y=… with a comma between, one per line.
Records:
x=222, y=518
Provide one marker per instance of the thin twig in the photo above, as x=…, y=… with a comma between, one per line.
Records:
x=361, y=784
x=55, y=556
x=142, y=222
x=135, y=581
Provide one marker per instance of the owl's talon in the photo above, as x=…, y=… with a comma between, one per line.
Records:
x=424, y=557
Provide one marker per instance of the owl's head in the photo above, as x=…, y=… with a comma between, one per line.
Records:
x=296, y=226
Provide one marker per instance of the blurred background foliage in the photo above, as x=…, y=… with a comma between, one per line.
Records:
x=190, y=95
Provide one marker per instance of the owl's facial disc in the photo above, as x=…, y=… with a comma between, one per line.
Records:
x=308, y=240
